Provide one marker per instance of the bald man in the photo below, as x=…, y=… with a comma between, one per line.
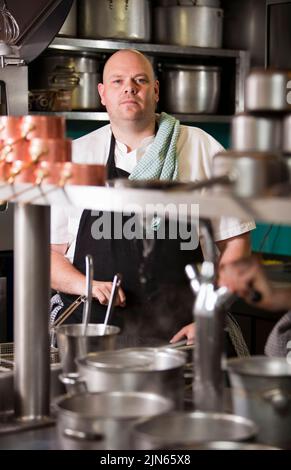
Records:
x=130, y=94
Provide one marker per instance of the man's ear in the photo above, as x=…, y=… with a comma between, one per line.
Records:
x=100, y=88
x=157, y=90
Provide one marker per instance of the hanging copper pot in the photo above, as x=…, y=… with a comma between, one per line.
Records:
x=72, y=173
x=21, y=172
x=10, y=127
x=14, y=150
x=50, y=150
x=43, y=127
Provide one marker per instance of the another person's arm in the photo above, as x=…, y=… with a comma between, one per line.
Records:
x=66, y=278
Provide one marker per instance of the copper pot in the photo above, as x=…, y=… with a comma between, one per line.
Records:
x=43, y=127
x=50, y=150
x=72, y=173
x=10, y=127
x=22, y=172
x=14, y=150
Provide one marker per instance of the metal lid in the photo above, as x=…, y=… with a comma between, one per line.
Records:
x=186, y=67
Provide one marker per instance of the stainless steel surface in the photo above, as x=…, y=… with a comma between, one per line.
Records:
x=190, y=89
x=110, y=308
x=174, y=429
x=69, y=27
x=89, y=285
x=73, y=344
x=261, y=389
x=121, y=19
x=135, y=369
x=31, y=311
x=227, y=445
x=256, y=133
x=255, y=174
x=105, y=420
x=3, y=308
x=266, y=90
x=287, y=134
x=198, y=26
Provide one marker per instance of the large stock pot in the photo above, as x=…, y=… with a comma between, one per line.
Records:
x=261, y=391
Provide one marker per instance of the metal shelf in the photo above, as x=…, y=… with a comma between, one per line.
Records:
x=101, y=45
x=102, y=116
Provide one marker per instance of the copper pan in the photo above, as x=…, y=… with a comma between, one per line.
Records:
x=43, y=127
x=14, y=150
x=50, y=150
x=5, y=169
x=22, y=172
x=10, y=127
x=72, y=173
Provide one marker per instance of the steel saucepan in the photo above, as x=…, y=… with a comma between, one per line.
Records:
x=256, y=133
x=267, y=90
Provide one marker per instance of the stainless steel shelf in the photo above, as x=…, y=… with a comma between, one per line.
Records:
x=102, y=116
x=101, y=45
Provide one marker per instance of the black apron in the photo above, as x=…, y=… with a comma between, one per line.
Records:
x=158, y=297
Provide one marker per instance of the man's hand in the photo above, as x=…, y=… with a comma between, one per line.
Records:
x=102, y=291
x=188, y=331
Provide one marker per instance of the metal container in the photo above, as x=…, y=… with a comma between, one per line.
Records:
x=205, y=3
x=190, y=89
x=78, y=73
x=105, y=420
x=254, y=174
x=152, y=370
x=73, y=344
x=267, y=90
x=115, y=19
x=176, y=428
x=256, y=133
x=261, y=391
x=287, y=134
x=226, y=445
x=198, y=26
x=69, y=27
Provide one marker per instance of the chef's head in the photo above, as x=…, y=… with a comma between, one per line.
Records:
x=129, y=90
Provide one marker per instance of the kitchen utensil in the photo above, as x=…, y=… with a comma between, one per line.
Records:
x=115, y=285
x=89, y=286
x=190, y=89
x=198, y=26
x=178, y=428
x=287, y=134
x=261, y=391
x=73, y=344
x=121, y=19
x=267, y=90
x=43, y=127
x=105, y=420
x=226, y=445
x=251, y=133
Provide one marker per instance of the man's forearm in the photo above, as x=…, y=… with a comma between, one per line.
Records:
x=65, y=277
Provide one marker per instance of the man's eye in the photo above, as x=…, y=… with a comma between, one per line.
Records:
x=141, y=80
x=117, y=82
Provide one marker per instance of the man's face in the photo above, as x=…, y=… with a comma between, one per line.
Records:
x=129, y=90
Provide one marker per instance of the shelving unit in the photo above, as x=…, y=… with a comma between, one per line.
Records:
x=239, y=60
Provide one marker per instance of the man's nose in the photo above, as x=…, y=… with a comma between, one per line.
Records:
x=130, y=87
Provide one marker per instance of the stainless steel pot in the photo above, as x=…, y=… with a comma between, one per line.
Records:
x=267, y=90
x=198, y=26
x=105, y=420
x=176, y=428
x=115, y=19
x=287, y=134
x=226, y=445
x=136, y=369
x=256, y=133
x=171, y=3
x=254, y=174
x=73, y=344
x=79, y=73
x=69, y=27
x=190, y=89
x=261, y=391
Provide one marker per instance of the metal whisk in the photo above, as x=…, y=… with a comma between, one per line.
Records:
x=9, y=32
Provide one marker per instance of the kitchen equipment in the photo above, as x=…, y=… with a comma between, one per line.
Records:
x=267, y=90
x=88, y=302
x=73, y=344
x=261, y=391
x=254, y=174
x=62, y=173
x=177, y=428
x=105, y=420
x=198, y=26
x=227, y=445
x=287, y=134
x=115, y=19
x=50, y=150
x=206, y=3
x=190, y=89
x=135, y=369
x=77, y=73
x=42, y=127
x=251, y=133
x=69, y=27
x=115, y=285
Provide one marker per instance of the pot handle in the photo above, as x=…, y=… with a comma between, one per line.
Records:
x=74, y=383
x=82, y=435
x=278, y=398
